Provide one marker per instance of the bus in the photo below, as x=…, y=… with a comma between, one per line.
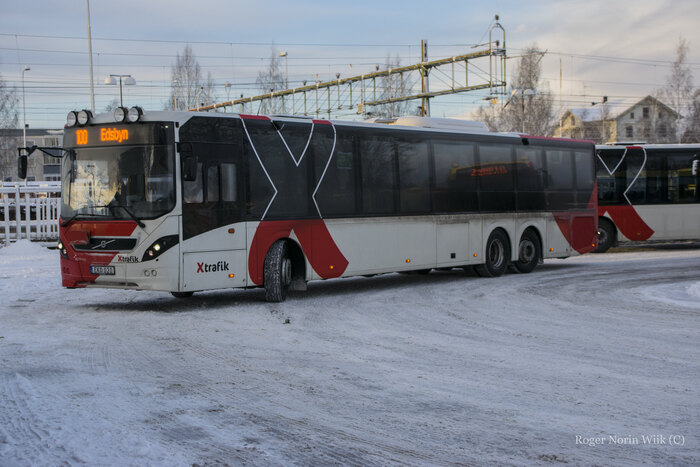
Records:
x=647, y=192
x=191, y=201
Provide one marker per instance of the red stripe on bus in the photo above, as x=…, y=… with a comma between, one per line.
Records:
x=628, y=221
x=316, y=242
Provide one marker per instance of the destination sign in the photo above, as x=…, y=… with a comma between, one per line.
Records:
x=118, y=134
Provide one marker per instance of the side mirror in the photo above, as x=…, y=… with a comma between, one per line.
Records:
x=22, y=166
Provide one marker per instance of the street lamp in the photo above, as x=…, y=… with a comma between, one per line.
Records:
x=286, y=70
x=128, y=81
x=24, y=110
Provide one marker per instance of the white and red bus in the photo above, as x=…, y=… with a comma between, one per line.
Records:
x=185, y=202
x=647, y=192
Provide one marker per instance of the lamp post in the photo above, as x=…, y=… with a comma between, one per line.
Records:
x=24, y=111
x=128, y=81
x=286, y=70
x=523, y=93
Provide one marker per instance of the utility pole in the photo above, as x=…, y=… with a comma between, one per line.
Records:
x=424, y=102
x=92, y=84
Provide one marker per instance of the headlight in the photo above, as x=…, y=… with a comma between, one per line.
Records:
x=62, y=250
x=84, y=117
x=71, y=118
x=159, y=247
x=120, y=114
x=134, y=114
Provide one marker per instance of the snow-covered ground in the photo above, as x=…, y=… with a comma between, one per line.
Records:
x=589, y=360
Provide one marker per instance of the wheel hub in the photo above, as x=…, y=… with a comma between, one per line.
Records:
x=286, y=271
x=527, y=251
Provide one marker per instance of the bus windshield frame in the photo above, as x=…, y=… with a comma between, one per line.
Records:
x=120, y=182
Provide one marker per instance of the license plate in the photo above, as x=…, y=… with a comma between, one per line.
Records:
x=103, y=270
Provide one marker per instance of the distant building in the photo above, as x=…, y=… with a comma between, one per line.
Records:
x=40, y=166
x=648, y=120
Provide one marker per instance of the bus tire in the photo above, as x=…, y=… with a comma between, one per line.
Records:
x=529, y=253
x=182, y=294
x=277, y=274
x=497, y=255
x=606, y=235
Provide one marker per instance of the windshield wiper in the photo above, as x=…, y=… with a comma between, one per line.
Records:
x=77, y=215
x=127, y=210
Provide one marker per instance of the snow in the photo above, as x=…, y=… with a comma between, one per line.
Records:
x=392, y=370
x=694, y=290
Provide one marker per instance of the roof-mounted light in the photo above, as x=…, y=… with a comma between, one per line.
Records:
x=71, y=118
x=120, y=114
x=134, y=114
x=84, y=116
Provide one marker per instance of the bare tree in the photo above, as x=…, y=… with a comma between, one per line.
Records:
x=530, y=108
x=392, y=86
x=678, y=92
x=269, y=80
x=188, y=89
x=109, y=108
x=9, y=120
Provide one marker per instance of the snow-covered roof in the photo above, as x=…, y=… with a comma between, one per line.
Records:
x=611, y=109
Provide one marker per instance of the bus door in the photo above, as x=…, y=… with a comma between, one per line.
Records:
x=214, y=237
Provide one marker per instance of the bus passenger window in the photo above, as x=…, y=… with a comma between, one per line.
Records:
x=559, y=168
x=212, y=184
x=530, y=174
x=228, y=182
x=192, y=192
x=336, y=194
x=584, y=171
x=414, y=176
x=636, y=177
x=681, y=183
x=455, y=188
x=560, y=180
x=495, y=173
x=378, y=173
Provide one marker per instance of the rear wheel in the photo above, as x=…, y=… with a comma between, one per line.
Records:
x=606, y=236
x=529, y=252
x=497, y=255
x=277, y=272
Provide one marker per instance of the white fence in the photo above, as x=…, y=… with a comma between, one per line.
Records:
x=29, y=211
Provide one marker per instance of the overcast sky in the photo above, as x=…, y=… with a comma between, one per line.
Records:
x=621, y=49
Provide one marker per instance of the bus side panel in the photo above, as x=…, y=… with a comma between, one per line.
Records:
x=668, y=221
x=374, y=245
x=453, y=247
x=558, y=229
x=215, y=259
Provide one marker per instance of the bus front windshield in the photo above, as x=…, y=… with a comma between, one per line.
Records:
x=122, y=182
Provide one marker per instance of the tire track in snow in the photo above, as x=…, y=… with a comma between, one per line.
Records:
x=27, y=434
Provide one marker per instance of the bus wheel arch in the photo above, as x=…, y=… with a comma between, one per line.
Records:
x=496, y=254
x=529, y=251
x=607, y=235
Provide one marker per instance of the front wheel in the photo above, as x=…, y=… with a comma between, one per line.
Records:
x=497, y=255
x=606, y=236
x=277, y=272
x=529, y=252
